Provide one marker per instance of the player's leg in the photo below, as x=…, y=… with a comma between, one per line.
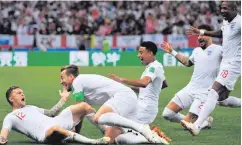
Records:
x=69, y=118
x=191, y=117
x=90, y=118
x=116, y=107
x=80, y=110
x=180, y=101
x=78, y=127
x=131, y=137
x=115, y=113
x=220, y=90
x=112, y=131
x=57, y=134
x=197, y=104
x=231, y=101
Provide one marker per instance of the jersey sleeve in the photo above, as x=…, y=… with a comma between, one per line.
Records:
x=7, y=123
x=191, y=58
x=77, y=91
x=151, y=72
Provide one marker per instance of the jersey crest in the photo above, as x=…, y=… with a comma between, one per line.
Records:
x=152, y=69
x=209, y=52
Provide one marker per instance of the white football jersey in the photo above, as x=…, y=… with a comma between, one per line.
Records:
x=149, y=96
x=29, y=120
x=206, y=67
x=232, y=39
x=97, y=89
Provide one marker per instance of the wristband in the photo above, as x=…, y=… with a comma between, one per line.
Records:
x=174, y=53
x=202, y=32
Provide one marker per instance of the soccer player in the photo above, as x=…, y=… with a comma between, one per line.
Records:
x=114, y=96
x=149, y=87
x=195, y=92
x=38, y=124
x=229, y=67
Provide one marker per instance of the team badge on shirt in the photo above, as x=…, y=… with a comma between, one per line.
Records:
x=232, y=25
x=152, y=69
x=209, y=52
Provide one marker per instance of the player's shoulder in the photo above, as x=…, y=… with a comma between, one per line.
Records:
x=77, y=80
x=9, y=116
x=156, y=64
x=238, y=18
x=215, y=46
x=196, y=49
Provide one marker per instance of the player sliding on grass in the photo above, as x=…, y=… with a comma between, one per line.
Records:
x=38, y=124
x=119, y=102
x=230, y=67
x=206, y=60
x=149, y=87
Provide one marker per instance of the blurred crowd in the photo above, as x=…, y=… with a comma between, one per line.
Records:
x=107, y=18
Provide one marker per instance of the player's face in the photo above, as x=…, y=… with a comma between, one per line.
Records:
x=203, y=41
x=144, y=55
x=226, y=11
x=17, y=98
x=66, y=80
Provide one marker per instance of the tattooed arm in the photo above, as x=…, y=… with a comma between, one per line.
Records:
x=57, y=108
x=182, y=59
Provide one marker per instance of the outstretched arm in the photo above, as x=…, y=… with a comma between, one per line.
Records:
x=57, y=108
x=196, y=31
x=4, y=136
x=182, y=59
x=136, y=83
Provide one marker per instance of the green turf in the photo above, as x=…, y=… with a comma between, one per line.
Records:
x=41, y=85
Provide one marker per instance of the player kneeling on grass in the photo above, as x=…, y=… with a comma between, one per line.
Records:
x=206, y=60
x=148, y=87
x=38, y=123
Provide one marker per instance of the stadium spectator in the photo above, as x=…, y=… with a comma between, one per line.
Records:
x=106, y=18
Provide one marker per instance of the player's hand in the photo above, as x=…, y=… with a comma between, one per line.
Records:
x=116, y=78
x=192, y=31
x=166, y=47
x=64, y=94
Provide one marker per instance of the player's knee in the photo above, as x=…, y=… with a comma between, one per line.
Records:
x=55, y=128
x=86, y=107
x=51, y=130
x=168, y=114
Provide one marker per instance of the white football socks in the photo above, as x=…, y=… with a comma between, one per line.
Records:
x=90, y=119
x=172, y=116
x=81, y=139
x=208, y=107
x=114, y=119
